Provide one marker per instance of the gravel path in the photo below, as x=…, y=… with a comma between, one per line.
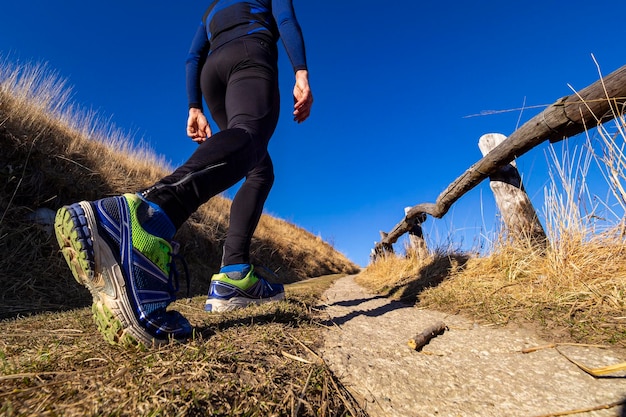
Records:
x=470, y=370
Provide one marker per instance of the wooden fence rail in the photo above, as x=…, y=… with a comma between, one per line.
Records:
x=600, y=102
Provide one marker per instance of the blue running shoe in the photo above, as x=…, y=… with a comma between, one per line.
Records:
x=226, y=294
x=112, y=248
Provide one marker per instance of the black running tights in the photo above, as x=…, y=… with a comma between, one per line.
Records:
x=239, y=83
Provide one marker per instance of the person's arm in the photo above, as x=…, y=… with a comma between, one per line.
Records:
x=291, y=34
x=198, y=127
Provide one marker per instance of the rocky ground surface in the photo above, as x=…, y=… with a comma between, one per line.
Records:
x=469, y=370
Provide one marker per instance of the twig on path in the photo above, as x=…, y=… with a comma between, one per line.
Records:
x=536, y=348
x=422, y=339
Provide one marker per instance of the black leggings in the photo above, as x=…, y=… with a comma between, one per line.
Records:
x=239, y=82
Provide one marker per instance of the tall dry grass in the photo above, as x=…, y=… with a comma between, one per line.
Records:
x=55, y=153
x=37, y=94
x=57, y=363
x=576, y=289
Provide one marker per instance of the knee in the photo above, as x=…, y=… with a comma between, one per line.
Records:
x=262, y=176
x=265, y=178
x=260, y=131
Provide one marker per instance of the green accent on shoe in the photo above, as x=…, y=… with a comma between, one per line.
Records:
x=244, y=284
x=111, y=328
x=227, y=294
x=156, y=249
x=130, y=296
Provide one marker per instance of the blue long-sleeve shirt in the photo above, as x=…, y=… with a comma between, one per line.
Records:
x=226, y=20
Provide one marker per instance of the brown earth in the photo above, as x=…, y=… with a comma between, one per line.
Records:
x=469, y=370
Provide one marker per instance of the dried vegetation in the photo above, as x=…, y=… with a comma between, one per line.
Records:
x=52, y=155
x=259, y=362
x=573, y=291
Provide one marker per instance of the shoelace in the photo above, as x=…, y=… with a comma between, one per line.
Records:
x=174, y=274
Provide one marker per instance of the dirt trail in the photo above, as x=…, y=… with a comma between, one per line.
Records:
x=470, y=370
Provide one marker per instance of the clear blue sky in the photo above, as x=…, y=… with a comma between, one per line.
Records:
x=393, y=83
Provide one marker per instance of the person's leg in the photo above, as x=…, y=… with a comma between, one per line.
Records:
x=240, y=86
x=119, y=247
x=252, y=103
x=239, y=284
x=246, y=210
x=249, y=107
x=256, y=112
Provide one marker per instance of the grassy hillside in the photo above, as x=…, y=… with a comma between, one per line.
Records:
x=257, y=362
x=54, y=154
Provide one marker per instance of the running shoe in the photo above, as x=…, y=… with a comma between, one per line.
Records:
x=112, y=248
x=226, y=293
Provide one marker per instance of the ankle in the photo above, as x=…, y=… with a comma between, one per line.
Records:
x=236, y=271
x=154, y=220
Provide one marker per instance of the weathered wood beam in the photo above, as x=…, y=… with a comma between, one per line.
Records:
x=600, y=102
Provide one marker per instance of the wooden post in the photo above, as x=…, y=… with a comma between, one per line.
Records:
x=518, y=213
x=417, y=244
x=382, y=250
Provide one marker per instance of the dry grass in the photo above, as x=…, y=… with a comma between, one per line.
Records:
x=52, y=359
x=260, y=361
x=575, y=290
x=405, y=278
x=53, y=155
x=578, y=297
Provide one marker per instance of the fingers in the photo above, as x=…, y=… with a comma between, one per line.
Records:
x=191, y=131
x=302, y=106
x=198, y=128
x=303, y=98
x=301, y=114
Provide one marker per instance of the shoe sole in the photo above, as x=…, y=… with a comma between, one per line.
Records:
x=94, y=266
x=216, y=305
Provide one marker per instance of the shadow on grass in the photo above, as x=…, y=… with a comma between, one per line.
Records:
x=404, y=293
x=431, y=275
x=288, y=313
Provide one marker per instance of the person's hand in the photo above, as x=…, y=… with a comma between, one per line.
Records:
x=198, y=128
x=303, y=98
